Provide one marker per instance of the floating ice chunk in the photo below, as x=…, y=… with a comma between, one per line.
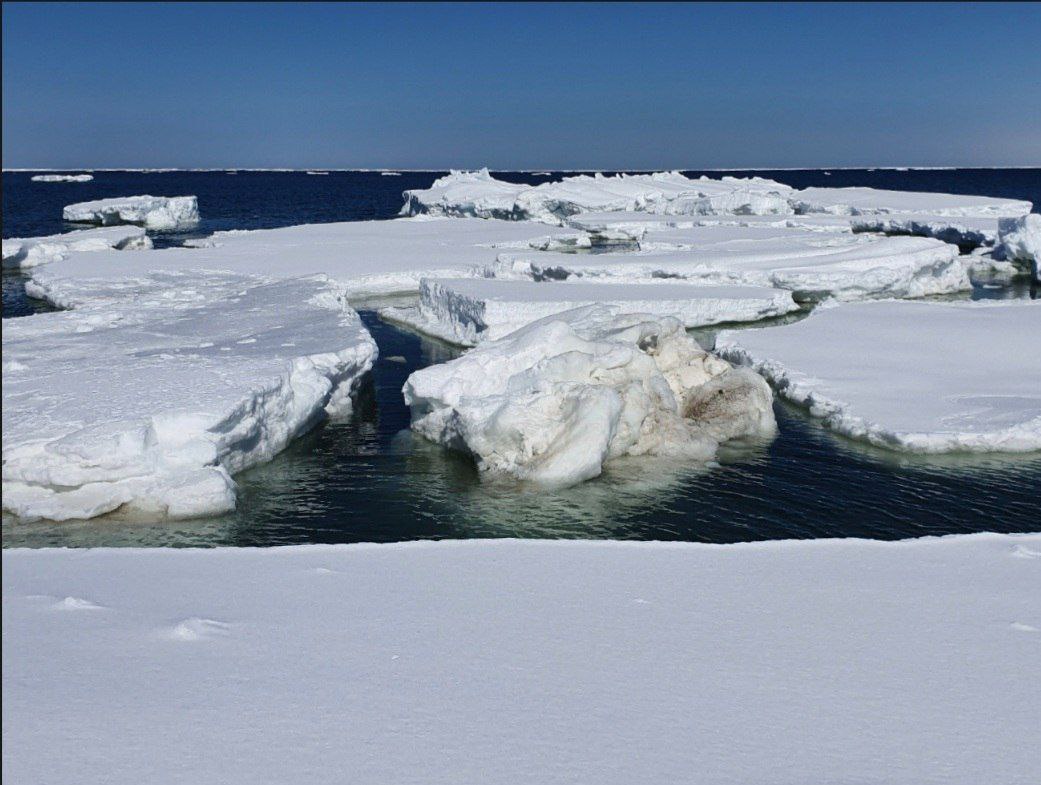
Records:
x=554, y=400
x=315, y=172
x=459, y=193
x=813, y=265
x=920, y=377
x=153, y=212
x=391, y=174
x=468, y=311
x=965, y=232
x=30, y=251
x=62, y=178
x=869, y=201
x=1020, y=239
x=149, y=400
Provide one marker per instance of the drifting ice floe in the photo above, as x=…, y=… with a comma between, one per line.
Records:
x=920, y=377
x=153, y=212
x=813, y=265
x=30, y=251
x=479, y=194
x=554, y=400
x=146, y=402
x=62, y=178
x=368, y=257
x=1020, y=240
x=872, y=201
x=470, y=310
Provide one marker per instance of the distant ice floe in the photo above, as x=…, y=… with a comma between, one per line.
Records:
x=471, y=310
x=918, y=377
x=62, y=178
x=152, y=212
x=551, y=402
x=146, y=400
x=30, y=251
x=391, y=174
x=309, y=171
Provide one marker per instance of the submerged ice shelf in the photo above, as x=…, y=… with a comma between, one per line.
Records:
x=919, y=377
x=147, y=398
x=153, y=212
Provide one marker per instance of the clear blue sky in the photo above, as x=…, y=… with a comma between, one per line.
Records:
x=520, y=86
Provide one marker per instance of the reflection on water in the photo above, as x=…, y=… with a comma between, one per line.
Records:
x=370, y=479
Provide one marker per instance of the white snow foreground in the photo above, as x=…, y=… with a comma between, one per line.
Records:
x=466, y=311
x=919, y=377
x=25, y=252
x=147, y=399
x=506, y=661
x=369, y=258
x=62, y=178
x=554, y=400
x=481, y=195
x=812, y=264
x=153, y=212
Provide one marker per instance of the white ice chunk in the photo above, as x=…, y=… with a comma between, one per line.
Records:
x=1020, y=239
x=972, y=231
x=459, y=193
x=62, y=178
x=554, y=400
x=470, y=310
x=28, y=252
x=868, y=201
x=153, y=212
x=920, y=377
x=147, y=402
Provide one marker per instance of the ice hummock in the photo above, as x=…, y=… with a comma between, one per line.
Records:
x=148, y=398
x=1020, y=240
x=471, y=310
x=152, y=212
x=554, y=400
x=62, y=178
x=873, y=201
x=915, y=376
x=25, y=252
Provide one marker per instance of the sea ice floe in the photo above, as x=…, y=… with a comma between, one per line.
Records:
x=153, y=212
x=967, y=231
x=62, y=178
x=813, y=265
x=872, y=201
x=635, y=223
x=479, y=194
x=147, y=399
x=919, y=377
x=28, y=252
x=1020, y=240
x=554, y=400
x=470, y=310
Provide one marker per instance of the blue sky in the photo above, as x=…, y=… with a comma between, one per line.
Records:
x=520, y=86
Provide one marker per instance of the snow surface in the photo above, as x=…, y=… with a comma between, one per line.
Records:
x=920, y=377
x=505, y=661
x=62, y=178
x=636, y=223
x=811, y=264
x=553, y=401
x=153, y=212
x=479, y=194
x=367, y=257
x=868, y=201
x=150, y=395
x=466, y=311
x=25, y=252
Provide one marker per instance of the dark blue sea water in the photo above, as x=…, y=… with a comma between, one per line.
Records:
x=370, y=480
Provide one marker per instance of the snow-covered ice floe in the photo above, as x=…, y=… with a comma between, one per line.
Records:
x=370, y=258
x=524, y=661
x=965, y=232
x=479, y=194
x=153, y=212
x=811, y=264
x=1020, y=240
x=919, y=377
x=62, y=178
x=635, y=224
x=554, y=400
x=872, y=201
x=25, y=252
x=469, y=310
x=147, y=399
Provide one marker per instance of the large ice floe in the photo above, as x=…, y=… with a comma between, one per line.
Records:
x=62, y=178
x=147, y=398
x=467, y=311
x=872, y=201
x=153, y=212
x=526, y=661
x=919, y=377
x=554, y=400
x=812, y=264
x=28, y=252
x=481, y=195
